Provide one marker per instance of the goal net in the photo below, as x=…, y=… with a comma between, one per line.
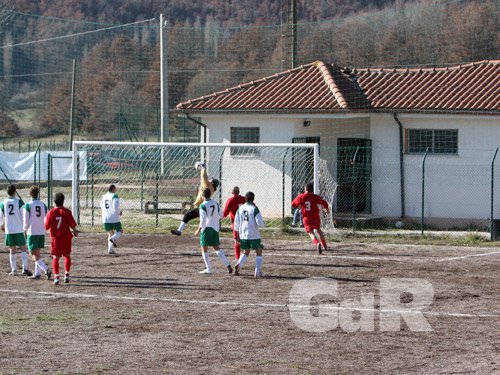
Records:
x=158, y=182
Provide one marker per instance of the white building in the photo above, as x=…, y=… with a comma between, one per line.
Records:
x=374, y=127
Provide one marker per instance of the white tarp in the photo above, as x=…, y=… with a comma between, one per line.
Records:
x=21, y=167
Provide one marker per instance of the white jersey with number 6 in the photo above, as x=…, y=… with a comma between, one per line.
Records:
x=110, y=206
x=11, y=210
x=247, y=222
x=34, y=217
x=210, y=215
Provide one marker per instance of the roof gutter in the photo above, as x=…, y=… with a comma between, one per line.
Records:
x=401, y=163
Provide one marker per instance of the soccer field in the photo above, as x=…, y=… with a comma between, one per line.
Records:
x=148, y=311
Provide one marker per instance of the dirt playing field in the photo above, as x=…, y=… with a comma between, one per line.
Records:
x=148, y=311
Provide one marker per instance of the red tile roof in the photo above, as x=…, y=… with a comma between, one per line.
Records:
x=320, y=87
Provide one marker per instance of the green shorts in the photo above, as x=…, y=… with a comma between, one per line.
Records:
x=251, y=244
x=36, y=242
x=15, y=239
x=113, y=226
x=209, y=237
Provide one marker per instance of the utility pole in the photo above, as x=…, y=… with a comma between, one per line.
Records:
x=72, y=107
x=163, y=81
x=288, y=34
x=163, y=89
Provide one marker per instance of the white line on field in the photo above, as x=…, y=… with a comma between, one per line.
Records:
x=468, y=256
x=352, y=257
x=244, y=304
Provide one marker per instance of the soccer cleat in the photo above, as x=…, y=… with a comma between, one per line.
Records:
x=56, y=281
x=293, y=225
x=13, y=273
x=66, y=279
x=34, y=277
x=206, y=272
x=48, y=274
x=258, y=274
x=175, y=232
x=111, y=251
x=113, y=242
x=320, y=251
x=325, y=248
x=229, y=268
x=236, y=270
x=27, y=272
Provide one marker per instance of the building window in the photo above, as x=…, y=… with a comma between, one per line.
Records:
x=245, y=135
x=438, y=141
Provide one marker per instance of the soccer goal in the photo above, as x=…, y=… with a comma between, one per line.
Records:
x=158, y=182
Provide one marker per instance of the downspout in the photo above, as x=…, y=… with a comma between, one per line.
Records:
x=401, y=163
x=199, y=123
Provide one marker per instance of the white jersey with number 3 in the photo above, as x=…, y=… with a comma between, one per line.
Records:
x=210, y=215
x=247, y=222
x=110, y=206
x=11, y=210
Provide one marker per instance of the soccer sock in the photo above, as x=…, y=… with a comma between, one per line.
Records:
x=67, y=264
x=237, y=251
x=37, y=269
x=206, y=258
x=242, y=260
x=181, y=227
x=55, y=267
x=116, y=236
x=110, y=246
x=13, y=261
x=41, y=265
x=24, y=259
x=222, y=256
x=258, y=263
x=323, y=243
x=315, y=241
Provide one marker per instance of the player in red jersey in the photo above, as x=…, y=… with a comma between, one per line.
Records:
x=61, y=223
x=232, y=205
x=309, y=203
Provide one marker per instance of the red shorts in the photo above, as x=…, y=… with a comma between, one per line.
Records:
x=311, y=223
x=60, y=248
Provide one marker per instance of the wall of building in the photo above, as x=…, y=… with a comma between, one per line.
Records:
x=456, y=186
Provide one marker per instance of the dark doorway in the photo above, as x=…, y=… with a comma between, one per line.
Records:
x=354, y=167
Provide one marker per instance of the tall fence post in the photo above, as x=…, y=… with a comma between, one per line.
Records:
x=49, y=193
x=423, y=191
x=354, y=190
x=283, y=184
x=492, y=194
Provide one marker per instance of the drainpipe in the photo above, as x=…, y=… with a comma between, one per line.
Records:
x=201, y=124
x=401, y=163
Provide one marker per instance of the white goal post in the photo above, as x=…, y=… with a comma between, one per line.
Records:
x=158, y=181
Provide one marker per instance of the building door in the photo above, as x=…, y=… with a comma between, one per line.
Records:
x=302, y=172
x=354, y=167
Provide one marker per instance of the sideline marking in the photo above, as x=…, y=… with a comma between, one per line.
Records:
x=243, y=304
x=352, y=257
x=468, y=256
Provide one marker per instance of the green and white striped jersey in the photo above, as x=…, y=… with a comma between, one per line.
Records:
x=210, y=215
x=34, y=217
x=11, y=211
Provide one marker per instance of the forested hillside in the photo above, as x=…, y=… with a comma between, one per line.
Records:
x=210, y=46
x=227, y=12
